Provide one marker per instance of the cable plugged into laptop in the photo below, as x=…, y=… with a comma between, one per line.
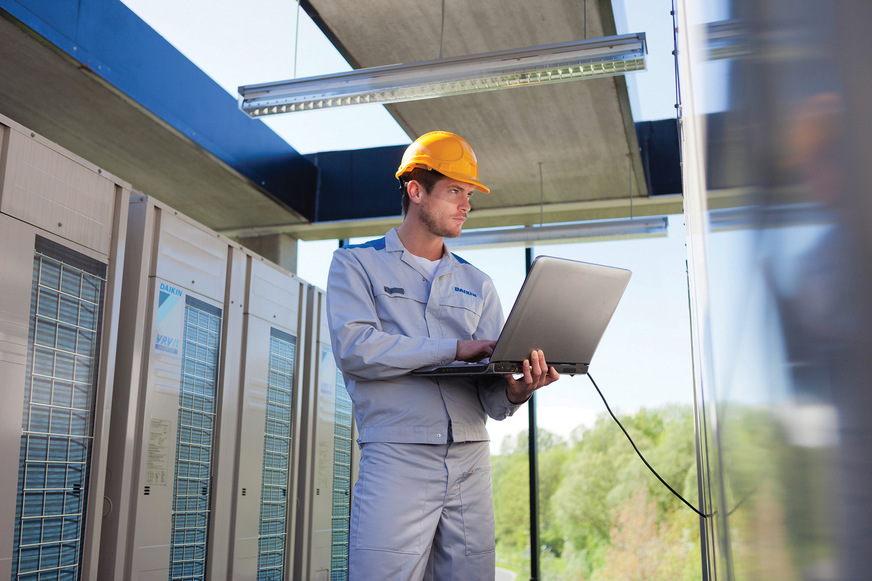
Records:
x=672, y=490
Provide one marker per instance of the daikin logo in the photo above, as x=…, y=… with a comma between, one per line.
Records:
x=169, y=289
x=168, y=327
x=457, y=289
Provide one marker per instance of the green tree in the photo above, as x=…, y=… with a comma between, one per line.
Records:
x=647, y=548
x=511, y=477
x=603, y=515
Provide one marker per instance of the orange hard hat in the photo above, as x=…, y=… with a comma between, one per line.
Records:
x=445, y=152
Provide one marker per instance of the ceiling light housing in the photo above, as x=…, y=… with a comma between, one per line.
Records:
x=589, y=231
x=601, y=57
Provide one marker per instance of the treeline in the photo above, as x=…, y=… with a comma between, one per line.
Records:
x=602, y=515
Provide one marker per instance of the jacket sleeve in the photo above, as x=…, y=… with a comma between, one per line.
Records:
x=492, y=388
x=363, y=351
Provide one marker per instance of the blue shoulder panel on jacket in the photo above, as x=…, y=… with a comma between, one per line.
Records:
x=463, y=261
x=377, y=244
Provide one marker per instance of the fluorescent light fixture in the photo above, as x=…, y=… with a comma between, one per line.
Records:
x=607, y=56
x=588, y=231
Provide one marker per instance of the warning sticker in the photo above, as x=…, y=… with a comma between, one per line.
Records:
x=157, y=458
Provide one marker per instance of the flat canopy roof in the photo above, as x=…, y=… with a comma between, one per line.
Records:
x=94, y=78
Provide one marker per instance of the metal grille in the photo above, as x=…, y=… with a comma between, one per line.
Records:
x=341, y=509
x=193, y=469
x=57, y=427
x=276, y=458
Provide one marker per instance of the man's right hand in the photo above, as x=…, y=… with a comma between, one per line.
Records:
x=473, y=351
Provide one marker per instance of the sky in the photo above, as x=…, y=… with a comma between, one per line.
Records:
x=644, y=357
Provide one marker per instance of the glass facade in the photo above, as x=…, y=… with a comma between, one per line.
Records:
x=272, y=528
x=196, y=421
x=778, y=220
x=57, y=429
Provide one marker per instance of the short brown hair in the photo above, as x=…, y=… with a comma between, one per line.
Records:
x=426, y=177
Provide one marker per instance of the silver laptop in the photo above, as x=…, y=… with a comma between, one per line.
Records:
x=563, y=309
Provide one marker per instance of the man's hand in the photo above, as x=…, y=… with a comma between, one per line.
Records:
x=536, y=374
x=474, y=350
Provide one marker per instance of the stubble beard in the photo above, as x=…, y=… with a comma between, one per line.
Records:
x=431, y=223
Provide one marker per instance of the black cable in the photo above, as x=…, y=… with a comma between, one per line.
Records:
x=693, y=508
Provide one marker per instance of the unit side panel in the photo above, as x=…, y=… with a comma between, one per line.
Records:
x=192, y=257
x=226, y=423
x=327, y=483
x=322, y=502
x=58, y=469
x=57, y=193
x=178, y=427
x=265, y=460
x=274, y=295
x=252, y=429
x=152, y=524
x=263, y=524
x=16, y=274
x=125, y=432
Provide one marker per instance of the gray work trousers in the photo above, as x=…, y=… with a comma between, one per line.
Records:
x=423, y=512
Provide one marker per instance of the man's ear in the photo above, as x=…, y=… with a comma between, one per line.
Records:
x=415, y=191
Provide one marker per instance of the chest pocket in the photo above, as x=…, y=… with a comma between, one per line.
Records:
x=459, y=315
x=401, y=309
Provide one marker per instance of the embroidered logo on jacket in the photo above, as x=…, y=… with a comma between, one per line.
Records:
x=395, y=290
x=457, y=289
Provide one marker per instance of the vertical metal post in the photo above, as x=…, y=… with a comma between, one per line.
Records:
x=534, y=469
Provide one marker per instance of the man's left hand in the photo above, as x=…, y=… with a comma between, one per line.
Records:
x=536, y=374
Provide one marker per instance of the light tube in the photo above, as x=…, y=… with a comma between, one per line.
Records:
x=607, y=56
x=560, y=233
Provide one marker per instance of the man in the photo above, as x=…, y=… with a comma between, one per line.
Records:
x=423, y=503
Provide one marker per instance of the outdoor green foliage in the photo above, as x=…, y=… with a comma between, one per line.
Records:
x=602, y=514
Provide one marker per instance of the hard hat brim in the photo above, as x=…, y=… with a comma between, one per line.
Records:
x=459, y=177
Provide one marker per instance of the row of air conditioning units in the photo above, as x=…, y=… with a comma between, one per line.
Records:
x=170, y=408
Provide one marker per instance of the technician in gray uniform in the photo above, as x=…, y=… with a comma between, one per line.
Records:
x=423, y=502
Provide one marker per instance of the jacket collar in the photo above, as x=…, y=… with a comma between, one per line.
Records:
x=393, y=244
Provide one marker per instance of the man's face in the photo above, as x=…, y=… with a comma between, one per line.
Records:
x=443, y=211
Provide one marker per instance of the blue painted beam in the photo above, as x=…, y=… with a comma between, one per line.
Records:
x=108, y=39
x=661, y=159
x=358, y=184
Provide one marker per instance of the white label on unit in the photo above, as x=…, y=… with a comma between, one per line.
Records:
x=157, y=463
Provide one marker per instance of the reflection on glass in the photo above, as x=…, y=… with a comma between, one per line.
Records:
x=784, y=359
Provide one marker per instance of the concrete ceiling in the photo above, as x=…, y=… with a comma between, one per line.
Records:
x=553, y=153
x=51, y=93
x=580, y=135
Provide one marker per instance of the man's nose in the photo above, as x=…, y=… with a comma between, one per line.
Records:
x=464, y=205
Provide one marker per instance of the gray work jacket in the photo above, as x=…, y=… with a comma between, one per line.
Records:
x=386, y=319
